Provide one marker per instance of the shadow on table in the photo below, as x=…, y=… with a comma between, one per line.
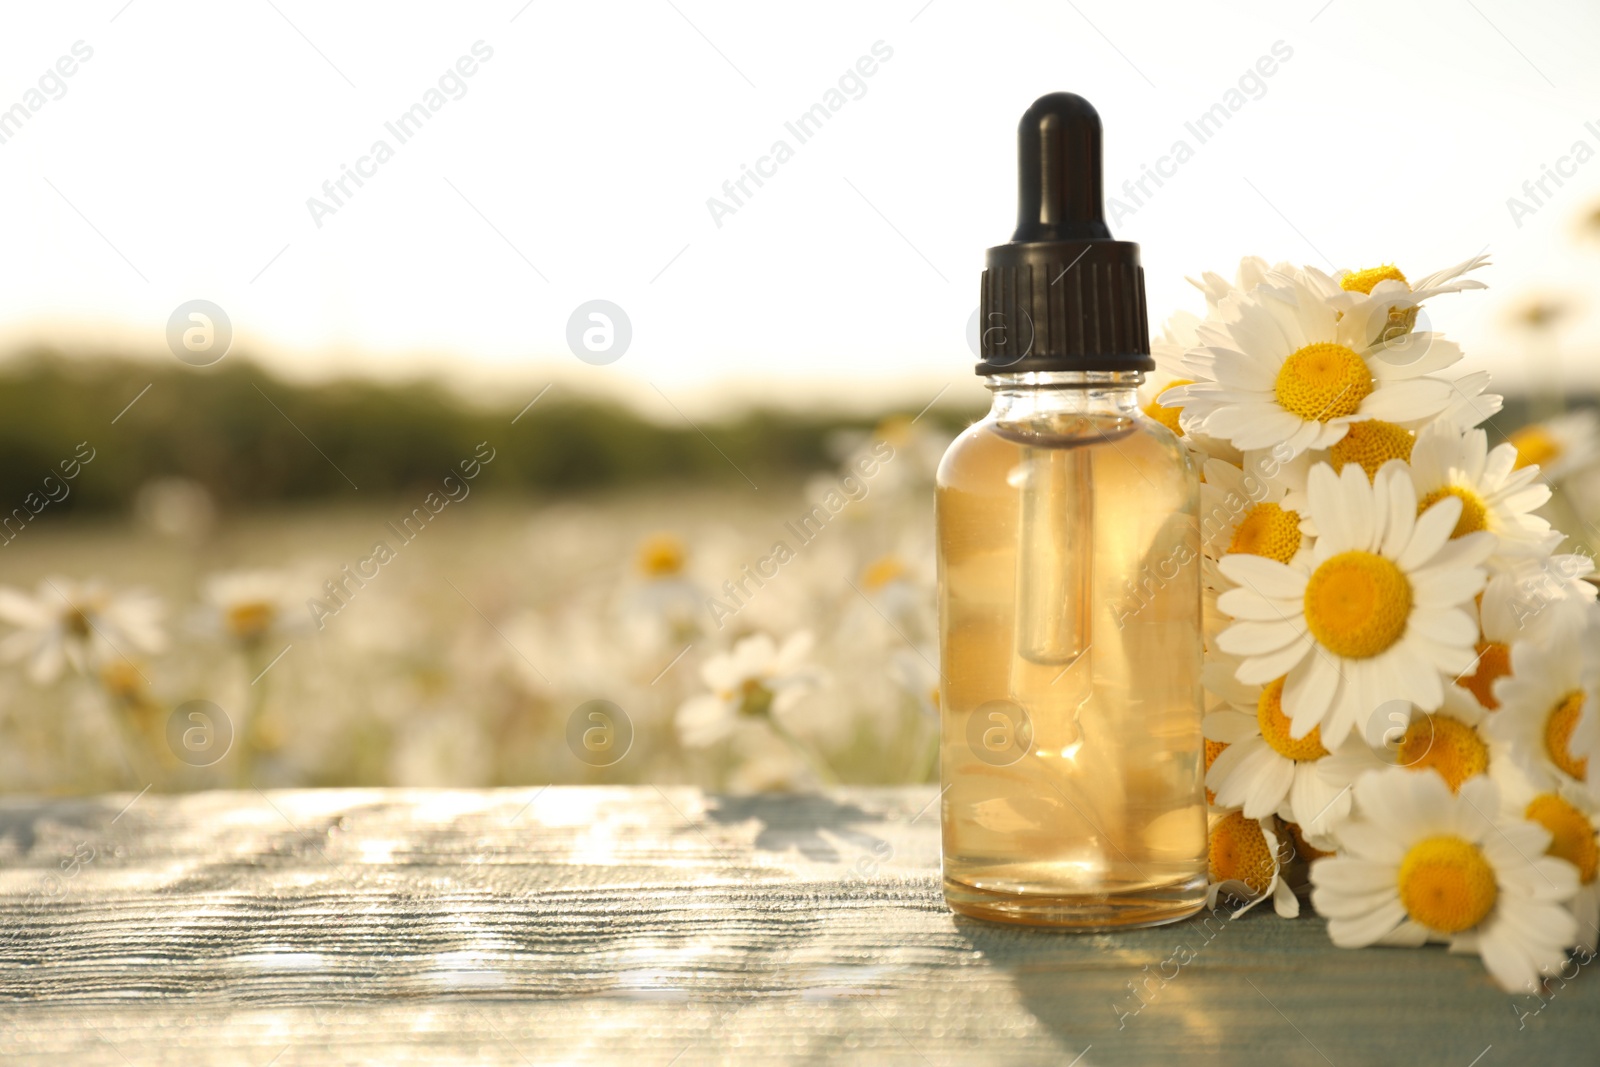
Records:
x=1262, y=989
x=20, y=819
x=798, y=822
x=1104, y=997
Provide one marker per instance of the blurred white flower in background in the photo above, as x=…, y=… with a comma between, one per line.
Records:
x=1561, y=445
x=756, y=681
x=898, y=588
x=246, y=607
x=662, y=607
x=83, y=624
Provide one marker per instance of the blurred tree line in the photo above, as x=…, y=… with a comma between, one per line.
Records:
x=252, y=439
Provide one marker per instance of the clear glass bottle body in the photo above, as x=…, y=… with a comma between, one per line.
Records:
x=1070, y=638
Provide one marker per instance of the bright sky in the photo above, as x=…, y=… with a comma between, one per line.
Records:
x=576, y=159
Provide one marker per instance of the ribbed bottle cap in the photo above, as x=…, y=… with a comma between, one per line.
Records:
x=1062, y=295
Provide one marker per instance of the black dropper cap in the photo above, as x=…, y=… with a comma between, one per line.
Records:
x=1062, y=295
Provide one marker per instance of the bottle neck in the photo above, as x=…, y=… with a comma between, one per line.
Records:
x=1076, y=392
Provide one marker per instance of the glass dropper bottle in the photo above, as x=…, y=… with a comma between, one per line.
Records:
x=1069, y=585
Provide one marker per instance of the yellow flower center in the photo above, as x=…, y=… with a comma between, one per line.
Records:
x=1372, y=443
x=1446, y=884
x=1239, y=852
x=1474, y=515
x=1213, y=750
x=1534, y=445
x=1357, y=604
x=1571, y=834
x=754, y=697
x=1275, y=727
x=883, y=571
x=1558, y=736
x=661, y=556
x=1362, y=281
x=1494, y=661
x=250, y=620
x=1446, y=745
x=1323, y=381
x=1268, y=530
x=78, y=624
x=1167, y=416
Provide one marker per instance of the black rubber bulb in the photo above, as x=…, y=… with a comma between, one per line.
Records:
x=1062, y=294
x=1059, y=195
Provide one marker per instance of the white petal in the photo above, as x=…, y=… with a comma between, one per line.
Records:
x=1229, y=727
x=1267, y=666
x=1266, y=577
x=1364, y=931
x=1433, y=529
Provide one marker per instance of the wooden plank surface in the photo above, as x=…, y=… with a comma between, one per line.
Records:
x=656, y=927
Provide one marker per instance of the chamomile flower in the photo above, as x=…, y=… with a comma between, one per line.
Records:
x=663, y=607
x=1378, y=611
x=1245, y=861
x=755, y=681
x=899, y=587
x=1495, y=494
x=1573, y=828
x=1574, y=824
x=1550, y=708
x=1380, y=302
x=1561, y=445
x=1446, y=741
x=247, y=607
x=1242, y=510
x=83, y=624
x=1266, y=772
x=1290, y=370
x=1417, y=863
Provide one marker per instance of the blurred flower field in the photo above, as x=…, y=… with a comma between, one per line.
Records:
x=742, y=639
x=469, y=632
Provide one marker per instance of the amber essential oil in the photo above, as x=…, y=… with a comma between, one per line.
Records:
x=1069, y=583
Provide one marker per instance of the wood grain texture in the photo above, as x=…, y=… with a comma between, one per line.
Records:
x=656, y=927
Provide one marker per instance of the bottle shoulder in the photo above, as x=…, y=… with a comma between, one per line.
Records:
x=990, y=448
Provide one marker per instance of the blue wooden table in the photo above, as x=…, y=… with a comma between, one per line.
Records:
x=655, y=927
